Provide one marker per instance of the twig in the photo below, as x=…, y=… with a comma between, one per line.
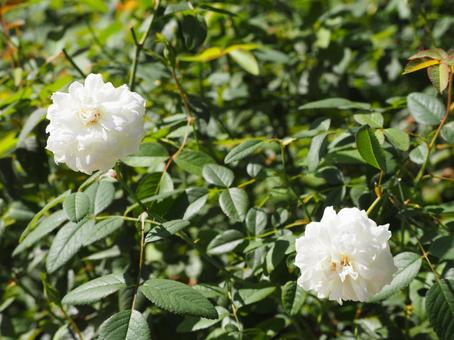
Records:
x=424, y=255
x=185, y=237
x=378, y=192
x=124, y=218
x=235, y=313
x=138, y=48
x=185, y=100
x=127, y=188
x=437, y=132
x=142, y=219
x=71, y=322
x=189, y=122
x=73, y=63
x=373, y=205
x=272, y=232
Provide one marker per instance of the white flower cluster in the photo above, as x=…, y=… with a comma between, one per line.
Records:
x=95, y=124
x=345, y=256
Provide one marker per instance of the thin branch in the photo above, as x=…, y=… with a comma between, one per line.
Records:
x=142, y=219
x=189, y=122
x=71, y=322
x=138, y=48
x=73, y=63
x=124, y=218
x=437, y=132
x=127, y=188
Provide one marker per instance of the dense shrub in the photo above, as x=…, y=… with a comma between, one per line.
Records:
x=259, y=116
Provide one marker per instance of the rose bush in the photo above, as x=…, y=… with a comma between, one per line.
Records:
x=226, y=170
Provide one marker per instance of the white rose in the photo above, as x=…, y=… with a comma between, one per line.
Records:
x=345, y=256
x=95, y=124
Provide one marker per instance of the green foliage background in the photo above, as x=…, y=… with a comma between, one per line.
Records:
x=238, y=84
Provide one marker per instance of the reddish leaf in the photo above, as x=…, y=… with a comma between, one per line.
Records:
x=435, y=53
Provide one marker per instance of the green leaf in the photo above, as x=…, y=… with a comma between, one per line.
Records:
x=443, y=248
x=276, y=253
x=374, y=120
x=76, y=206
x=416, y=65
x=154, y=183
x=193, y=161
x=419, y=154
x=196, y=204
x=254, y=169
x=46, y=226
x=51, y=294
x=256, y=220
x=447, y=132
x=243, y=150
x=32, y=121
x=369, y=148
x=440, y=308
x=93, y=233
x=246, y=60
x=149, y=155
x=7, y=143
x=192, y=324
x=66, y=244
x=218, y=175
x=398, y=138
x=248, y=296
x=234, y=203
x=408, y=265
x=96, y=5
x=95, y=290
x=179, y=298
x=193, y=31
x=439, y=76
x=225, y=242
x=425, y=109
x=292, y=298
x=125, y=325
x=105, y=254
x=335, y=103
x=165, y=230
x=101, y=195
x=316, y=148
x=32, y=224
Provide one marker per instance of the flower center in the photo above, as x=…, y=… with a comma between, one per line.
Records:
x=89, y=115
x=344, y=262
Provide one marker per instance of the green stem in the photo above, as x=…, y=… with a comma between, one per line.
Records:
x=437, y=132
x=234, y=310
x=138, y=48
x=142, y=219
x=373, y=205
x=185, y=237
x=124, y=218
x=73, y=63
x=90, y=180
x=426, y=257
x=190, y=121
x=298, y=328
x=284, y=170
x=127, y=188
x=185, y=100
x=72, y=323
